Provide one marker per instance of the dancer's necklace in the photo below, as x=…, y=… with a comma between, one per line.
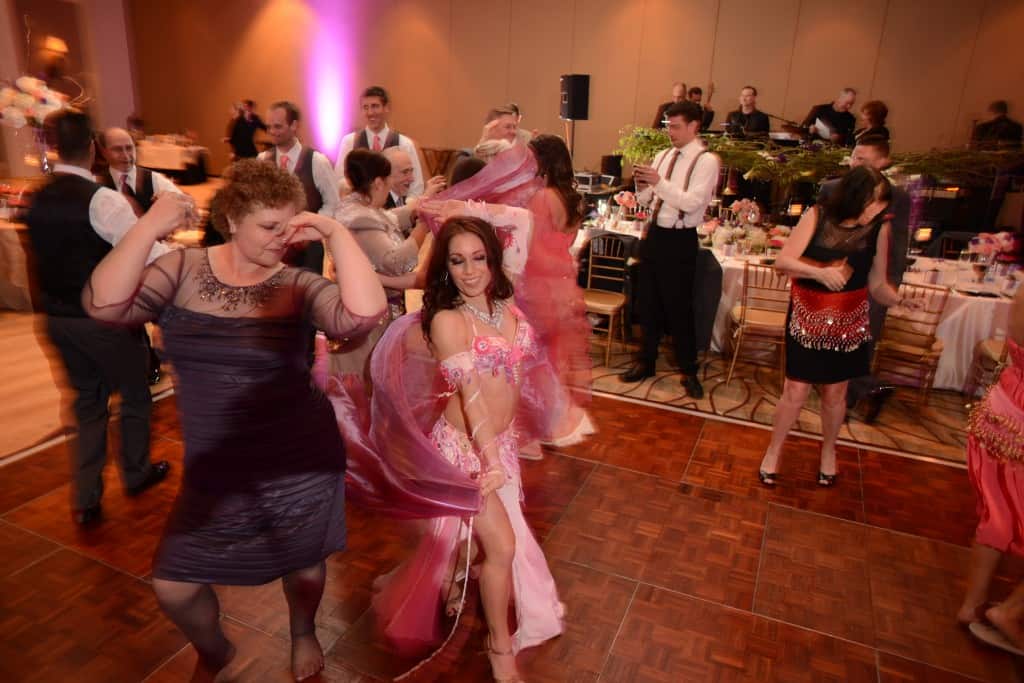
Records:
x=492, y=319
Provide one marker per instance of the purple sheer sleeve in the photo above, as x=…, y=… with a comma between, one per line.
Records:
x=157, y=288
x=327, y=311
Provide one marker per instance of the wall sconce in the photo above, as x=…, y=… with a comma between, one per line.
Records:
x=55, y=45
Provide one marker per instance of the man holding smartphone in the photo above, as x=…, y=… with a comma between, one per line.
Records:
x=678, y=186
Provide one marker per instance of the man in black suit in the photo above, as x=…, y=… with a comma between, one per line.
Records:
x=999, y=132
x=242, y=130
x=73, y=223
x=874, y=152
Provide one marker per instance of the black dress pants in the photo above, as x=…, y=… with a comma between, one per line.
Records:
x=668, y=264
x=99, y=360
x=859, y=387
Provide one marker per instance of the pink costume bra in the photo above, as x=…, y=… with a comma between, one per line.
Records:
x=491, y=353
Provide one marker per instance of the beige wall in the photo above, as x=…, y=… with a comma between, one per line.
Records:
x=936, y=63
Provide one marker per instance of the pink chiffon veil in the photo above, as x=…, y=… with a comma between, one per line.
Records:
x=510, y=178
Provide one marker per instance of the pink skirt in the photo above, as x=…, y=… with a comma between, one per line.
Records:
x=994, y=449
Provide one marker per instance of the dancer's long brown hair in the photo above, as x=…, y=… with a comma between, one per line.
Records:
x=440, y=293
x=555, y=164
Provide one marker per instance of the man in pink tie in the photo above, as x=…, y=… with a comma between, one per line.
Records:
x=377, y=136
x=311, y=167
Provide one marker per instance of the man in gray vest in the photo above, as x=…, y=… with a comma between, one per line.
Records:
x=73, y=223
x=678, y=185
x=377, y=136
x=310, y=166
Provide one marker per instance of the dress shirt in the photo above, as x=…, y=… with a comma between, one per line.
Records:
x=323, y=174
x=110, y=214
x=404, y=143
x=691, y=202
x=161, y=183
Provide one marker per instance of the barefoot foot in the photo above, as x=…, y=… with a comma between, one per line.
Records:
x=307, y=656
x=968, y=614
x=1009, y=625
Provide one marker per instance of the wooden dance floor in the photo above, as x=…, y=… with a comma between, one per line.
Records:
x=674, y=563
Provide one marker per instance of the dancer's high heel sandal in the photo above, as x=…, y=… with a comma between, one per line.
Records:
x=584, y=429
x=491, y=652
x=827, y=480
x=769, y=479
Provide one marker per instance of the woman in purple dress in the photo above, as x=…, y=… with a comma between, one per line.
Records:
x=262, y=496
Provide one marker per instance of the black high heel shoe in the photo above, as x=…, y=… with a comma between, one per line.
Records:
x=769, y=479
x=827, y=480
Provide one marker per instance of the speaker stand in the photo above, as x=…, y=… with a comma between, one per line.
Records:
x=570, y=136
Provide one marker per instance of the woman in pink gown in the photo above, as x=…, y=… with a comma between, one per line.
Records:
x=995, y=458
x=548, y=292
x=455, y=387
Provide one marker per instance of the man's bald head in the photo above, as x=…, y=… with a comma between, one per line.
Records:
x=118, y=149
x=401, y=176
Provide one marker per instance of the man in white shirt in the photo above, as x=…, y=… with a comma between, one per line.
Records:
x=310, y=166
x=140, y=186
x=73, y=224
x=376, y=136
x=402, y=177
x=678, y=186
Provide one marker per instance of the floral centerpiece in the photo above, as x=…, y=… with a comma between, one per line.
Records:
x=747, y=211
x=26, y=103
x=1000, y=246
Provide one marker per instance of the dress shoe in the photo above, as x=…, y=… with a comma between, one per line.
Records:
x=693, y=387
x=876, y=399
x=157, y=473
x=637, y=373
x=154, y=376
x=89, y=516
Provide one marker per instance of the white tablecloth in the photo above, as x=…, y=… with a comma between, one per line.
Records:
x=966, y=321
x=14, y=289
x=161, y=155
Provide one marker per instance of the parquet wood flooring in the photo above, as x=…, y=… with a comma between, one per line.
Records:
x=674, y=563
x=900, y=494
x=728, y=457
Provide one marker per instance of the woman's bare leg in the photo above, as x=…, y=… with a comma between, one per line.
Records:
x=794, y=394
x=499, y=544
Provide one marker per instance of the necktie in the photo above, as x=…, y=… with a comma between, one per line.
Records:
x=129, y=194
x=668, y=176
x=284, y=162
x=400, y=202
x=376, y=143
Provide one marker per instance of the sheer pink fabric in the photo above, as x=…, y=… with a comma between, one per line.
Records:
x=552, y=300
x=395, y=468
x=510, y=179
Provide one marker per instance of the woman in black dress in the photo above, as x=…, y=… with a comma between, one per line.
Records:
x=836, y=256
x=263, y=491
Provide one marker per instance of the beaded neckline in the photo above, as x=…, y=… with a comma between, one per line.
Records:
x=231, y=296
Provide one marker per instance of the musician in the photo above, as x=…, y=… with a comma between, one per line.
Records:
x=747, y=121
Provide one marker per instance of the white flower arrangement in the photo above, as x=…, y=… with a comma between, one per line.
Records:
x=27, y=102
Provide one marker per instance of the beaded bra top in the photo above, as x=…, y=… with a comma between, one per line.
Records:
x=491, y=353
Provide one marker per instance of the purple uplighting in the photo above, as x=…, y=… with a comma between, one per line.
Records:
x=329, y=72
